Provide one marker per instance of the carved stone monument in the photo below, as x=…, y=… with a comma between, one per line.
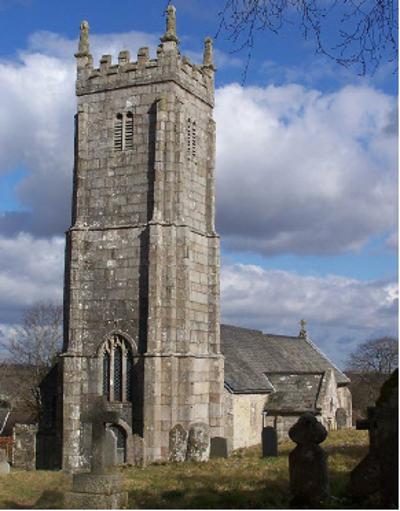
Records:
x=198, y=442
x=178, y=443
x=309, y=483
x=98, y=489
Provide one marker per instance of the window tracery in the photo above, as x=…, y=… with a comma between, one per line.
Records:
x=117, y=364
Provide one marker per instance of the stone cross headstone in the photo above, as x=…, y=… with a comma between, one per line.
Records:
x=219, y=447
x=308, y=471
x=198, y=442
x=269, y=438
x=102, y=440
x=98, y=490
x=178, y=442
x=4, y=465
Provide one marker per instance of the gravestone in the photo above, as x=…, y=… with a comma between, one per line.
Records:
x=98, y=489
x=198, y=442
x=341, y=418
x=378, y=471
x=24, y=446
x=269, y=441
x=4, y=465
x=137, y=443
x=178, y=443
x=219, y=447
x=308, y=471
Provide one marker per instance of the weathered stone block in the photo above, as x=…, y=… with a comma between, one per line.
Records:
x=198, y=442
x=178, y=443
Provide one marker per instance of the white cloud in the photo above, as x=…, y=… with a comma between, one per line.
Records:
x=37, y=105
x=31, y=270
x=340, y=311
x=305, y=172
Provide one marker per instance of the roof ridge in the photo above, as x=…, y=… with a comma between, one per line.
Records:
x=243, y=328
x=308, y=339
x=282, y=335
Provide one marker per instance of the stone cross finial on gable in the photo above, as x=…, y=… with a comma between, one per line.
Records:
x=83, y=49
x=303, y=330
x=99, y=416
x=170, y=34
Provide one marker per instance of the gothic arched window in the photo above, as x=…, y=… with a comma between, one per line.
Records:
x=117, y=364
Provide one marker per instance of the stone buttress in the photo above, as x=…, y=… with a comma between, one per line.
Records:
x=142, y=254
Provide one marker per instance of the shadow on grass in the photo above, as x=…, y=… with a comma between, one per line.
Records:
x=49, y=499
x=206, y=492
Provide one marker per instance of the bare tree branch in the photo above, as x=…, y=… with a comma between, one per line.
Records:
x=366, y=30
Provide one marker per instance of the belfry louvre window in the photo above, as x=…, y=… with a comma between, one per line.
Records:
x=123, y=132
x=191, y=139
x=118, y=133
x=117, y=364
x=129, y=131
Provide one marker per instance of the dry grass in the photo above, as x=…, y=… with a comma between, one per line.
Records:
x=243, y=481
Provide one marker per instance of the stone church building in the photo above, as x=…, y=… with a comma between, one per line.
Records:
x=142, y=265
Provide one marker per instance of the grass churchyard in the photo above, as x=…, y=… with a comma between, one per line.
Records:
x=245, y=480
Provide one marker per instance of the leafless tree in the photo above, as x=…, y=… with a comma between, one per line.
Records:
x=368, y=367
x=375, y=356
x=34, y=345
x=364, y=31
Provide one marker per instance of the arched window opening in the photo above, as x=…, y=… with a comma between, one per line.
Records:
x=118, y=374
x=129, y=377
x=106, y=375
x=129, y=131
x=117, y=365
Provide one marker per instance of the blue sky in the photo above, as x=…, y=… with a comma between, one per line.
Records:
x=306, y=167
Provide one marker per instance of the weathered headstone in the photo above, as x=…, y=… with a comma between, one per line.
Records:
x=98, y=490
x=24, y=446
x=198, y=442
x=341, y=418
x=219, y=447
x=269, y=441
x=137, y=443
x=378, y=471
x=4, y=465
x=178, y=443
x=309, y=483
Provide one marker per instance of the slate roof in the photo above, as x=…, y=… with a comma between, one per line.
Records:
x=294, y=392
x=251, y=356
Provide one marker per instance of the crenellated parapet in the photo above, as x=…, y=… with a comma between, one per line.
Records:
x=168, y=66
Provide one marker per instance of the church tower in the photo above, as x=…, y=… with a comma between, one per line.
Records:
x=142, y=259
